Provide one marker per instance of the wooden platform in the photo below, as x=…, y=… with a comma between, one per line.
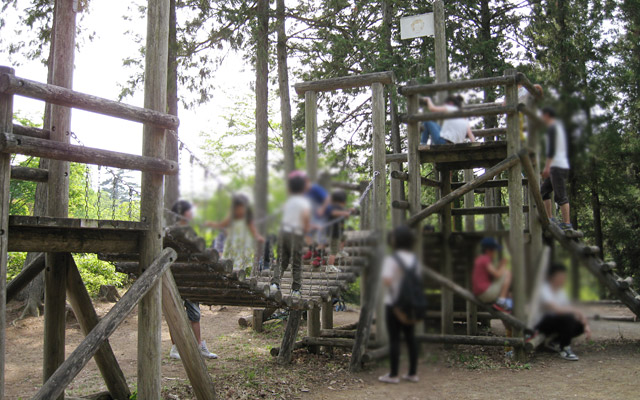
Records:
x=459, y=156
x=46, y=234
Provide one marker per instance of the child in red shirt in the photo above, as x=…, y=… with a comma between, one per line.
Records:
x=491, y=284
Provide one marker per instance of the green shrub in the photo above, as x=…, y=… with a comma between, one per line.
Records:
x=15, y=264
x=95, y=273
x=352, y=295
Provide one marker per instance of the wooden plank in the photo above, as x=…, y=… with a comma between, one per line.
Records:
x=455, y=85
x=72, y=240
x=488, y=175
x=151, y=204
x=26, y=275
x=311, y=132
x=463, y=113
x=56, y=384
x=488, y=132
x=516, y=215
x=31, y=131
x=289, y=338
x=75, y=223
x=88, y=319
x=485, y=210
x=29, y=174
x=6, y=124
x=344, y=82
x=55, y=94
x=182, y=334
x=10, y=143
x=471, y=340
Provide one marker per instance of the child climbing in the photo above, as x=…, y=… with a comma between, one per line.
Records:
x=401, y=271
x=296, y=222
x=560, y=321
x=490, y=283
x=240, y=231
x=556, y=169
x=453, y=130
x=316, y=238
x=184, y=210
x=336, y=214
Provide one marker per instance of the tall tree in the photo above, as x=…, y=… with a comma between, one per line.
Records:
x=283, y=85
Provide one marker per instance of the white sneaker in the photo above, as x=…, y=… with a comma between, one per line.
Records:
x=205, y=351
x=174, y=353
x=388, y=379
x=332, y=268
x=274, y=288
x=296, y=294
x=568, y=354
x=411, y=378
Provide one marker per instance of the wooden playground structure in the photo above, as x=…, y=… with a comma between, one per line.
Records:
x=171, y=263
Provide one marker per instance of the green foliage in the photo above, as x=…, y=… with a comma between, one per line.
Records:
x=352, y=295
x=15, y=264
x=95, y=273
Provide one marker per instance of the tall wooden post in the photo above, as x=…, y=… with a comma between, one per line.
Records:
x=152, y=204
x=447, y=264
x=311, y=132
x=398, y=216
x=379, y=209
x=172, y=182
x=58, y=204
x=535, y=228
x=283, y=85
x=6, y=124
x=516, y=217
x=313, y=326
x=442, y=69
x=470, y=226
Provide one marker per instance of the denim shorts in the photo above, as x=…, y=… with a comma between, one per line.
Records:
x=193, y=310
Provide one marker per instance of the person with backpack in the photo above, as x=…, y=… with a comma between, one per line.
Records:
x=404, y=299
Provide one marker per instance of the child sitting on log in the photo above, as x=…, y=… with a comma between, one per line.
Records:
x=296, y=221
x=560, y=321
x=491, y=284
x=336, y=214
x=240, y=231
x=184, y=210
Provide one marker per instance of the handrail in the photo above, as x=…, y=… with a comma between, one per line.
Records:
x=463, y=113
x=345, y=82
x=11, y=84
x=457, y=85
x=526, y=83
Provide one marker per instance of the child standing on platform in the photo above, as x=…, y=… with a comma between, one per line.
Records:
x=296, y=222
x=335, y=215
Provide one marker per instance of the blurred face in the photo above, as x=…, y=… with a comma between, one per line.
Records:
x=239, y=212
x=548, y=120
x=558, y=280
x=187, y=216
x=308, y=185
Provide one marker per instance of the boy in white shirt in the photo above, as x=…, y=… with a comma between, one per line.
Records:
x=296, y=220
x=560, y=320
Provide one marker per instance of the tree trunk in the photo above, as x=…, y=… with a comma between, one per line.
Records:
x=34, y=292
x=172, y=182
x=262, y=120
x=283, y=82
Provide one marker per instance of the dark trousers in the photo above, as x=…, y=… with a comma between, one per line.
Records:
x=289, y=251
x=564, y=326
x=397, y=328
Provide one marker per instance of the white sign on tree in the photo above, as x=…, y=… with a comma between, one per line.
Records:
x=416, y=26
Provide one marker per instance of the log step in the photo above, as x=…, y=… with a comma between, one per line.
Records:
x=331, y=342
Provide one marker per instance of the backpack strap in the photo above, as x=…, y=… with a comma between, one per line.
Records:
x=402, y=265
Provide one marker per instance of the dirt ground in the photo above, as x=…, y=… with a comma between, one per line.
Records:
x=608, y=368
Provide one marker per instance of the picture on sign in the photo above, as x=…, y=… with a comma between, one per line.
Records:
x=416, y=26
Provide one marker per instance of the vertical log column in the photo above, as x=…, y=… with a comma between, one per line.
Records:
x=58, y=202
x=516, y=215
x=447, y=264
x=398, y=216
x=311, y=132
x=442, y=69
x=313, y=325
x=470, y=226
x=379, y=209
x=151, y=204
x=535, y=228
x=6, y=124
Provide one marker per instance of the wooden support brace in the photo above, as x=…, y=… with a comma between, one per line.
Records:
x=88, y=319
x=29, y=174
x=489, y=174
x=289, y=339
x=28, y=273
x=63, y=376
x=182, y=334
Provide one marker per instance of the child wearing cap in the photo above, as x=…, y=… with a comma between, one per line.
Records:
x=490, y=283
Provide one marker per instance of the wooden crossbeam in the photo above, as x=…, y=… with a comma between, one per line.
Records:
x=345, y=82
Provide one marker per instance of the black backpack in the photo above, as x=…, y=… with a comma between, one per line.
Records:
x=410, y=305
